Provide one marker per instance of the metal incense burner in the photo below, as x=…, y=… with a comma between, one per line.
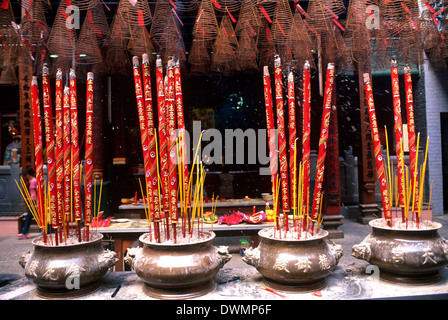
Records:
x=177, y=270
x=67, y=270
x=412, y=256
x=298, y=265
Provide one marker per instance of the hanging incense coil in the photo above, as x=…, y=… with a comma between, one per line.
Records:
x=206, y=25
x=246, y=54
x=136, y=13
x=249, y=17
x=9, y=39
x=199, y=57
x=140, y=42
x=299, y=42
x=282, y=23
x=97, y=18
x=185, y=5
x=62, y=40
x=224, y=48
x=26, y=4
x=227, y=5
x=266, y=47
x=87, y=48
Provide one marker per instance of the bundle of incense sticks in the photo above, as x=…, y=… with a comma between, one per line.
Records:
x=389, y=181
x=167, y=178
x=299, y=173
x=58, y=210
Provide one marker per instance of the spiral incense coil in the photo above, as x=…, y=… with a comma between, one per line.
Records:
x=246, y=54
x=206, y=25
x=140, y=42
x=199, y=57
x=249, y=17
x=62, y=40
x=87, y=48
x=136, y=13
x=185, y=5
x=226, y=43
x=266, y=47
x=99, y=22
x=27, y=4
x=282, y=23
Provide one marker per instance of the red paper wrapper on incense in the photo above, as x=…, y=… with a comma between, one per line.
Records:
x=292, y=135
x=88, y=176
x=75, y=147
x=398, y=132
x=143, y=124
x=281, y=134
x=37, y=129
x=163, y=137
x=411, y=134
x=153, y=201
x=320, y=167
x=377, y=149
x=306, y=132
x=49, y=140
x=270, y=126
x=67, y=154
x=181, y=128
x=59, y=146
x=172, y=151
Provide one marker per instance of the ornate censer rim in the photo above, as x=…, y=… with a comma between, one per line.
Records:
x=425, y=226
x=95, y=237
x=321, y=235
x=209, y=235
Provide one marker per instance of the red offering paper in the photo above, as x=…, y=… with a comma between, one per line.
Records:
x=75, y=147
x=320, y=167
x=398, y=130
x=153, y=178
x=270, y=127
x=37, y=129
x=411, y=134
x=59, y=146
x=163, y=137
x=377, y=149
x=88, y=176
x=172, y=151
x=281, y=134
x=181, y=127
x=67, y=154
x=292, y=135
x=49, y=140
x=306, y=132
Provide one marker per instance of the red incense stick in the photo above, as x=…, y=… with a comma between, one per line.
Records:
x=59, y=150
x=306, y=132
x=88, y=176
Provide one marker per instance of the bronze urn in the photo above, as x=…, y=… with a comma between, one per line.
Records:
x=412, y=256
x=177, y=270
x=297, y=265
x=67, y=270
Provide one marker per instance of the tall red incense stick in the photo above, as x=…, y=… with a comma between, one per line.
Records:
x=320, y=166
x=153, y=178
x=306, y=132
x=398, y=130
x=172, y=149
x=377, y=149
x=59, y=149
x=37, y=129
x=181, y=128
x=51, y=158
x=292, y=136
x=143, y=123
x=163, y=137
x=411, y=136
x=270, y=126
x=67, y=157
x=75, y=153
x=88, y=176
x=281, y=134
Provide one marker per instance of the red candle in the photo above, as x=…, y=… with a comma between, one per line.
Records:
x=411, y=134
x=320, y=167
x=377, y=149
x=270, y=129
x=306, y=132
x=163, y=137
x=153, y=201
x=75, y=149
x=88, y=176
x=67, y=154
x=281, y=134
x=59, y=147
x=37, y=130
x=398, y=133
x=49, y=140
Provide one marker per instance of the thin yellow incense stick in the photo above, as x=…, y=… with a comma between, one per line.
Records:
x=388, y=162
x=144, y=203
x=415, y=174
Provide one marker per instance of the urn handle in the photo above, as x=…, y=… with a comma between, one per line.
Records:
x=131, y=253
x=107, y=259
x=224, y=256
x=336, y=249
x=252, y=256
x=24, y=258
x=362, y=251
